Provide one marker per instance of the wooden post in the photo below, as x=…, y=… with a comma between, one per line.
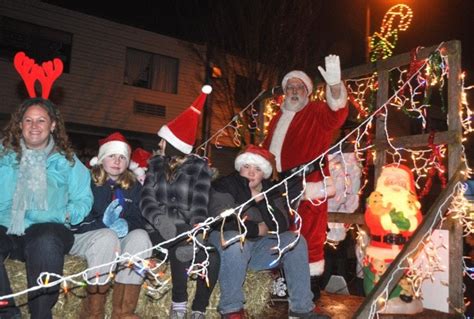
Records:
x=456, y=299
x=382, y=97
x=452, y=137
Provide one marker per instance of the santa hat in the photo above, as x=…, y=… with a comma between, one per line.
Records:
x=139, y=161
x=181, y=132
x=299, y=75
x=258, y=156
x=115, y=143
x=386, y=169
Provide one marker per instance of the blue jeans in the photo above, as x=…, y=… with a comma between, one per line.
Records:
x=42, y=248
x=257, y=255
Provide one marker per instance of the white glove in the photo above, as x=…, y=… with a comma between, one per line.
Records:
x=332, y=74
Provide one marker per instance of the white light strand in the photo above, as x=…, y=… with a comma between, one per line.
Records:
x=147, y=268
x=417, y=273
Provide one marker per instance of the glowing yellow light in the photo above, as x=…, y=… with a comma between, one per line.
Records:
x=382, y=43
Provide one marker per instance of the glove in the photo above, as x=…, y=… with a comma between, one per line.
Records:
x=185, y=253
x=120, y=227
x=112, y=213
x=332, y=74
x=165, y=227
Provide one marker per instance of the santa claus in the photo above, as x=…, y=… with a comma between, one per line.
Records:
x=300, y=132
x=392, y=215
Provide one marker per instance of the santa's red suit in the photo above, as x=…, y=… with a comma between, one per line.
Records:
x=296, y=138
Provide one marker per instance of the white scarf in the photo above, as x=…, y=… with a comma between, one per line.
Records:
x=31, y=191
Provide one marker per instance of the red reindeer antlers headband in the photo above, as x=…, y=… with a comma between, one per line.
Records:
x=29, y=71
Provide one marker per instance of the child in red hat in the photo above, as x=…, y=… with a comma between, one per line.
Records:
x=113, y=226
x=139, y=163
x=254, y=166
x=174, y=199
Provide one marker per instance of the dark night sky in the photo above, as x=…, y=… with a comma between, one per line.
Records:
x=434, y=21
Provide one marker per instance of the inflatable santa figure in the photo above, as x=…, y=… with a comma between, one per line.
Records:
x=300, y=132
x=392, y=215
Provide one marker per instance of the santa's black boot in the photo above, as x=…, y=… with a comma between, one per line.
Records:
x=315, y=287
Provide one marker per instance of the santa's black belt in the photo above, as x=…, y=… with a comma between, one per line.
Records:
x=308, y=169
x=392, y=239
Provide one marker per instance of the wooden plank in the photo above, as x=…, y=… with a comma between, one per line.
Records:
x=447, y=137
x=394, y=272
x=456, y=298
x=380, y=135
x=354, y=218
x=392, y=62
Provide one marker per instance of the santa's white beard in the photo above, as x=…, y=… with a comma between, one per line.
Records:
x=295, y=103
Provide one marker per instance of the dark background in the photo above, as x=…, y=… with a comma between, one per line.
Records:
x=338, y=25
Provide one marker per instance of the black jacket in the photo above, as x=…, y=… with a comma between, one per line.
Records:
x=102, y=198
x=182, y=201
x=233, y=190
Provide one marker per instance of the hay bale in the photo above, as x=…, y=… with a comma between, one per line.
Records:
x=67, y=304
x=257, y=291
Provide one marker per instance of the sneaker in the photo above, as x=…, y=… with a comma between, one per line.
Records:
x=177, y=314
x=279, y=289
x=234, y=315
x=198, y=315
x=307, y=315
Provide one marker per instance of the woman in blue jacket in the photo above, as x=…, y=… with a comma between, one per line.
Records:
x=44, y=189
x=114, y=225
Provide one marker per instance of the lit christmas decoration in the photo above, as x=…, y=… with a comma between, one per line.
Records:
x=406, y=97
x=382, y=43
x=362, y=94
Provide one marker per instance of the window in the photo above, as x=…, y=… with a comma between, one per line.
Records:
x=38, y=42
x=246, y=89
x=149, y=109
x=151, y=71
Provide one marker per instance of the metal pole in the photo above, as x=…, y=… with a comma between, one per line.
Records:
x=367, y=31
x=207, y=110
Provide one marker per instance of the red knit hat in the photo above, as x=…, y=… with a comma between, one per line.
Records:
x=256, y=155
x=139, y=161
x=181, y=132
x=115, y=143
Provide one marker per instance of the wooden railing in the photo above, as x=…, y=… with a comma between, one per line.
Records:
x=452, y=138
x=394, y=272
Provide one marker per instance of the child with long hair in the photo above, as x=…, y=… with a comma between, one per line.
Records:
x=174, y=199
x=113, y=226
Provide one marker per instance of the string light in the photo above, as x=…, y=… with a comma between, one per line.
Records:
x=361, y=141
x=396, y=19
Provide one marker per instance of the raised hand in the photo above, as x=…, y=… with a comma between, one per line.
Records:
x=112, y=213
x=332, y=73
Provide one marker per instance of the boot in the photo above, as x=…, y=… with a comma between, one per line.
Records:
x=315, y=287
x=93, y=306
x=117, y=298
x=125, y=302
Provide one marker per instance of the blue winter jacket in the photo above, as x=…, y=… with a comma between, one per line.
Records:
x=69, y=192
x=102, y=198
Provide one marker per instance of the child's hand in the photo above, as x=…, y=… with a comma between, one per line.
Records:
x=120, y=226
x=112, y=213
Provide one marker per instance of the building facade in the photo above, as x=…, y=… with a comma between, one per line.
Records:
x=116, y=77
